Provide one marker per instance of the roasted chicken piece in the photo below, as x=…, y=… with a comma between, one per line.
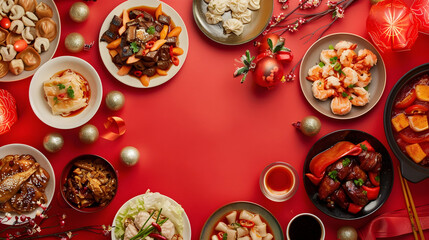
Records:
x=356, y=194
x=28, y=198
x=11, y=185
x=342, y=167
x=338, y=197
x=356, y=174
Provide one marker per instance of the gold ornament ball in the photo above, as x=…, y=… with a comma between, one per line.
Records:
x=347, y=233
x=130, y=155
x=53, y=142
x=74, y=42
x=88, y=134
x=115, y=100
x=79, y=12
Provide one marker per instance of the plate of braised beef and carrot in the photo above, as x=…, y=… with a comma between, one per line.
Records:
x=143, y=45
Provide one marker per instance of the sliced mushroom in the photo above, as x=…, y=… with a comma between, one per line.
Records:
x=27, y=22
x=16, y=12
x=16, y=66
x=28, y=5
x=32, y=16
x=3, y=35
x=47, y=28
x=7, y=5
x=29, y=34
x=17, y=26
x=41, y=44
x=30, y=57
x=8, y=53
x=43, y=10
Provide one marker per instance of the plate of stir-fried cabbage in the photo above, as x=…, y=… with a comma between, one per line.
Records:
x=151, y=216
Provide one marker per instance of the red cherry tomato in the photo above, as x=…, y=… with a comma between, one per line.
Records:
x=268, y=72
x=20, y=45
x=264, y=42
x=5, y=23
x=246, y=223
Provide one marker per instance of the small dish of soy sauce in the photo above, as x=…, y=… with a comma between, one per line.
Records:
x=305, y=226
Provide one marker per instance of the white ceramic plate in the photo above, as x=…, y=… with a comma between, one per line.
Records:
x=260, y=20
x=311, y=58
x=19, y=149
x=45, y=56
x=269, y=218
x=187, y=225
x=40, y=105
x=183, y=43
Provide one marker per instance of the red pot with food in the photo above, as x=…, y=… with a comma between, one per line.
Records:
x=406, y=123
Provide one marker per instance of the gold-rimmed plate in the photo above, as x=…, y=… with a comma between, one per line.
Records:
x=311, y=58
x=215, y=32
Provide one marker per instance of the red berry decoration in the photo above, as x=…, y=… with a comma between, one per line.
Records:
x=267, y=66
x=8, y=114
x=392, y=25
x=5, y=23
x=20, y=45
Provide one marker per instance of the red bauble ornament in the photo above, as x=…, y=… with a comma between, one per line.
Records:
x=420, y=9
x=268, y=72
x=392, y=25
x=8, y=114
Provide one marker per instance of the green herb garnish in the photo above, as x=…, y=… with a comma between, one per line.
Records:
x=321, y=64
x=366, y=88
x=144, y=232
x=134, y=47
x=61, y=86
x=377, y=178
x=333, y=174
x=70, y=92
x=331, y=47
x=350, y=98
x=337, y=67
x=363, y=146
x=351, y=86
x=333, y=60
x=358, y=182
x=364, y=192
x=224, y=236
x=56, y=99
x=346, y=162
x=151, y=30
x=344, y=94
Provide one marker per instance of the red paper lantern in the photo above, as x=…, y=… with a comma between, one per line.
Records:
x=8, y=114
x=392, y=25
x=420, y=9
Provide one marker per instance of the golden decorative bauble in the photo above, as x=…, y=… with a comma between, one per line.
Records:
x=79, y=12
x=74, y=42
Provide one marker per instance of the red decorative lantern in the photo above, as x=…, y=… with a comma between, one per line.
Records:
x=8, y=114
x=420, y=9
x=392, y=25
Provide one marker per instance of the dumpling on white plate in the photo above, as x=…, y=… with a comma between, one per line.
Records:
x=238, y=5
x=233, y=25
x=218, y=7
x=212, y=18
x=254, y=4
x=66, y=93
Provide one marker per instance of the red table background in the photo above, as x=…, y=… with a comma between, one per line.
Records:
x=204, y=138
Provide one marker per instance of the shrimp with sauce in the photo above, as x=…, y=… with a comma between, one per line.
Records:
x=344, y=45
x=363, y=79
x=326, y=55
x=341, y=105
x=351, y=77
x=347, y=57
x=366, y=58
x=320, y=92
x=314, y=73
x=359, y=97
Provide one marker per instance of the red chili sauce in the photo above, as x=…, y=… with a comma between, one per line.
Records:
x=279, y=180
x=407, y=99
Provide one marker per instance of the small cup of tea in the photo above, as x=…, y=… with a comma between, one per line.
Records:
x=305, y=226
x=279, y=181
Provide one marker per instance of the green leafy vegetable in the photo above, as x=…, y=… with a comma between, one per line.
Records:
x=358, y=182
x=61, y=86
x=363, y=146
x=321, y=64
x=333, y=174
x=70, y=92
x=346, y=162
x=151, y=30
x=135, y=47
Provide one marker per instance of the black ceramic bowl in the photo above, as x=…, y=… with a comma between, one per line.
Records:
x=410, y=170
x=386, y=174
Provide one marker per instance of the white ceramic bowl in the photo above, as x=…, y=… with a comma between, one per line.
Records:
x=19, y=149
x=40, y=105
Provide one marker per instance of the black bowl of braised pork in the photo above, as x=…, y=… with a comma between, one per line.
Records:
x=88, y=183
x=406, y=123
x=348, y=174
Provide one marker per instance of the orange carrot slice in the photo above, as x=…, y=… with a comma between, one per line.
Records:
x=175, y=32
x=124, y=70
x=158, y=11
x=145, y=80
x=132, y=59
